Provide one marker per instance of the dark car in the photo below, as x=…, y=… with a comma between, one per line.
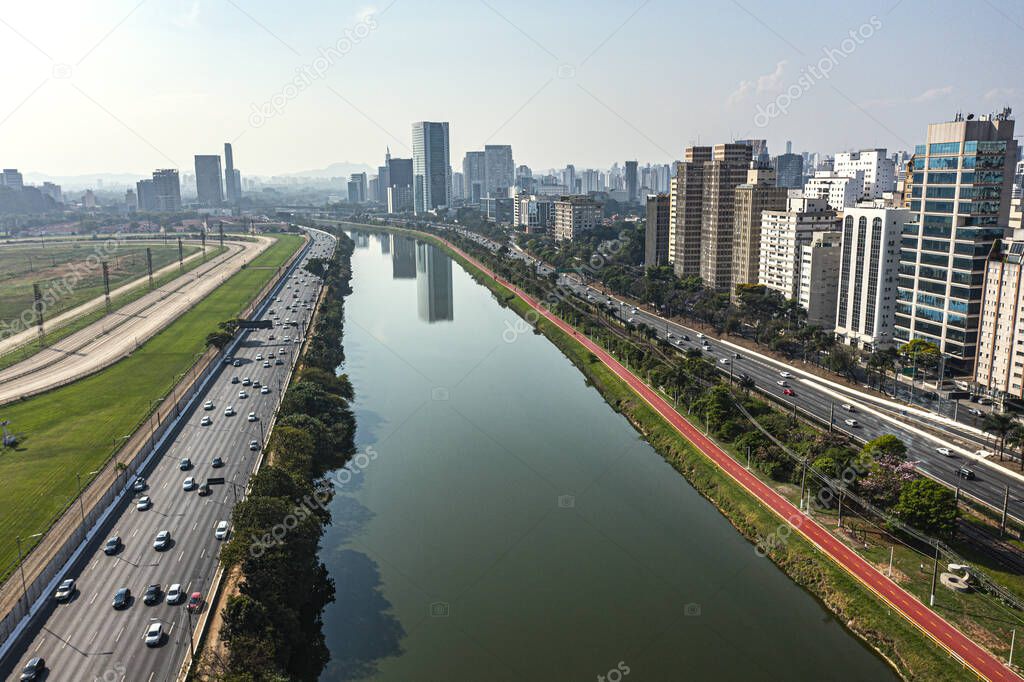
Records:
x=217, y=463
x=113, y=545
x=965, y=473
x=153, y=595
x=33, y=670
x=204, y=490
x=185, y=464
x=122, y=598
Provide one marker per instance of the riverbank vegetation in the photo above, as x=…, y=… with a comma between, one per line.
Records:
x=272, y=626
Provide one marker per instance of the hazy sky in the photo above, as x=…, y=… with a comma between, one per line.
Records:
x=128, y=86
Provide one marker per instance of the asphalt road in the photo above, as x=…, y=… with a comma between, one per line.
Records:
x=114, y=336
x=989, y=484
x=86, y=638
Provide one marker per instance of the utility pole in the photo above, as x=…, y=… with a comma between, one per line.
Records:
x=892, y=550
x=748, y=457
x=181, y=257
x=1013, y=640
x=106, y=284
x=21, y=565
x=220, y=226
x=203, y=236
x=149, y=265
x=840, y=524
x=37, y=305
x=1006, y=501
x=803, y=483
x=935, y=575
x=831, y=414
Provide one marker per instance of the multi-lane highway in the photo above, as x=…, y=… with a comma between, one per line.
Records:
x=86, y=638
x=114, y=336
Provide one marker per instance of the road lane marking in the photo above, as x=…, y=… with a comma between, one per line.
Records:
x=134, y=533
x=94, y=597
x=181, y=556
x=202, y=555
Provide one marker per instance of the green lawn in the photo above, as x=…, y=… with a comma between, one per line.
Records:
x=22, y=265
x=72, y=429
x=55, y=334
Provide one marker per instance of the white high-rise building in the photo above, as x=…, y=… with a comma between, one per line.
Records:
x=431, y=166
x=784, y=233
x=869, y=270
x=819, y=279
x=879, y=170
x=839, y=190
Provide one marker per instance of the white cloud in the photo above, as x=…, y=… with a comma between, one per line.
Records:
x=187, y=18
x=929, y=95
x=769, y=82
x=933, y=93
x=1001, y=94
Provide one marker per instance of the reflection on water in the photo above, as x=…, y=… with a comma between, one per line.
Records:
x=403, y=258
x=385, y=242
x=433, y=284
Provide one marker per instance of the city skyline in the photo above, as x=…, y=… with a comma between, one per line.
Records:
x=804, y=65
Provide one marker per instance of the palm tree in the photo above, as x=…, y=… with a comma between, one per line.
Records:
x=999, y=424
x=1015, y=439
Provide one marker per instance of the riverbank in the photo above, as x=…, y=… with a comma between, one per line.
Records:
x=913, y=654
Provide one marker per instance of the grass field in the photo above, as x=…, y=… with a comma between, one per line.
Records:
x=55, y=334
x=53, y=265
x=72, y=430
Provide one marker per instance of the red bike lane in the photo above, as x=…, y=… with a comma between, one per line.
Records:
x=945, y=635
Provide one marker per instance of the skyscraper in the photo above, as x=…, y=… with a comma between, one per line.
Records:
x=357, y=188
x=232, y=178
x=726, y=170
x=167, y=190
x=959, y=203
x=631, y=182
x=686, y=202
x=656, y=232
x=499, y=170
x=209, y=181
x=474, y=180
x=400, y=194
x=432, y=182
x=757, y=194
x=783, y=235
x=789, y=170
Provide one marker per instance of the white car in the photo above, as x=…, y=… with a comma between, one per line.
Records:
x=222, y=531
x=724, y=361
x=785, y=375
x=252, y=416
x=259, y=356
x=242, y=395
x=946, y=452
x=247, y=381
x=229, y=411
x=264, y=390
x=850, y=422
x=188, y=484
x=783, y=383
x=208, y=405
x=162, y=541
x=254, y=445
x=849, y=408
x=266, y=364
x=144, y=503
x=174, y=594
x=154, y=634
x=205, y=421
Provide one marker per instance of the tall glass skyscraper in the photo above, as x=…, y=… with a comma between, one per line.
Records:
x=431, y=166
x=959, y=201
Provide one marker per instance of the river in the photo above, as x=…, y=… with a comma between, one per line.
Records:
x=502, y=522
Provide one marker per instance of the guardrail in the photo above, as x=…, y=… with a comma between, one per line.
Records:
x=66, y=539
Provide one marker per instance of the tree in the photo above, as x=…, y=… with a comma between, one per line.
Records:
x=885, y=446
x=921, y=353
x=928, y=506
x=999, y=424
x=1015, y=439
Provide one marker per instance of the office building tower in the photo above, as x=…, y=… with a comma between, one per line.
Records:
x=686, y=204
x=656, y=231
x=499, y=170
x=209, y=181
x=432, y=180
x=959, y=202
x=758, y=194
x=819, y=279
x=869, y=264
x=167, y=190
x=758, y=152
x=631, y=182
x=575, y=215
x=434, y=296
x=533, y=213
x=53, y=191
x=839, y=191
x=458, y=186
x=12, y=178
x=783, y=235
x=400, y=190
x=789, y=170
x=145, y=192
x=498, y=209
x=131, y=200
x=474, y=175
x=726, y=170
x=232, y=177
x=877, y=170
x=357, y=188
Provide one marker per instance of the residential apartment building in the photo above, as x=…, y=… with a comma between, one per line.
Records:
x=726, y=170
x=959, y=200
x=839, y=190
x=533, y=214
x=877, y=169
x=758, y=194
x=656, y=231
x=867, y=280
x=819, y=278
x=166, y=190
x=784, y=233
x=686, y=205
x=575, y=215
x=999, y=362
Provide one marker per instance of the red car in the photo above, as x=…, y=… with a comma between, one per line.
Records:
x=788, y=391
x=195, y=602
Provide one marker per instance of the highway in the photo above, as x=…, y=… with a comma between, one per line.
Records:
x=111, y=338
x=87, y=638
x=990, y=483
